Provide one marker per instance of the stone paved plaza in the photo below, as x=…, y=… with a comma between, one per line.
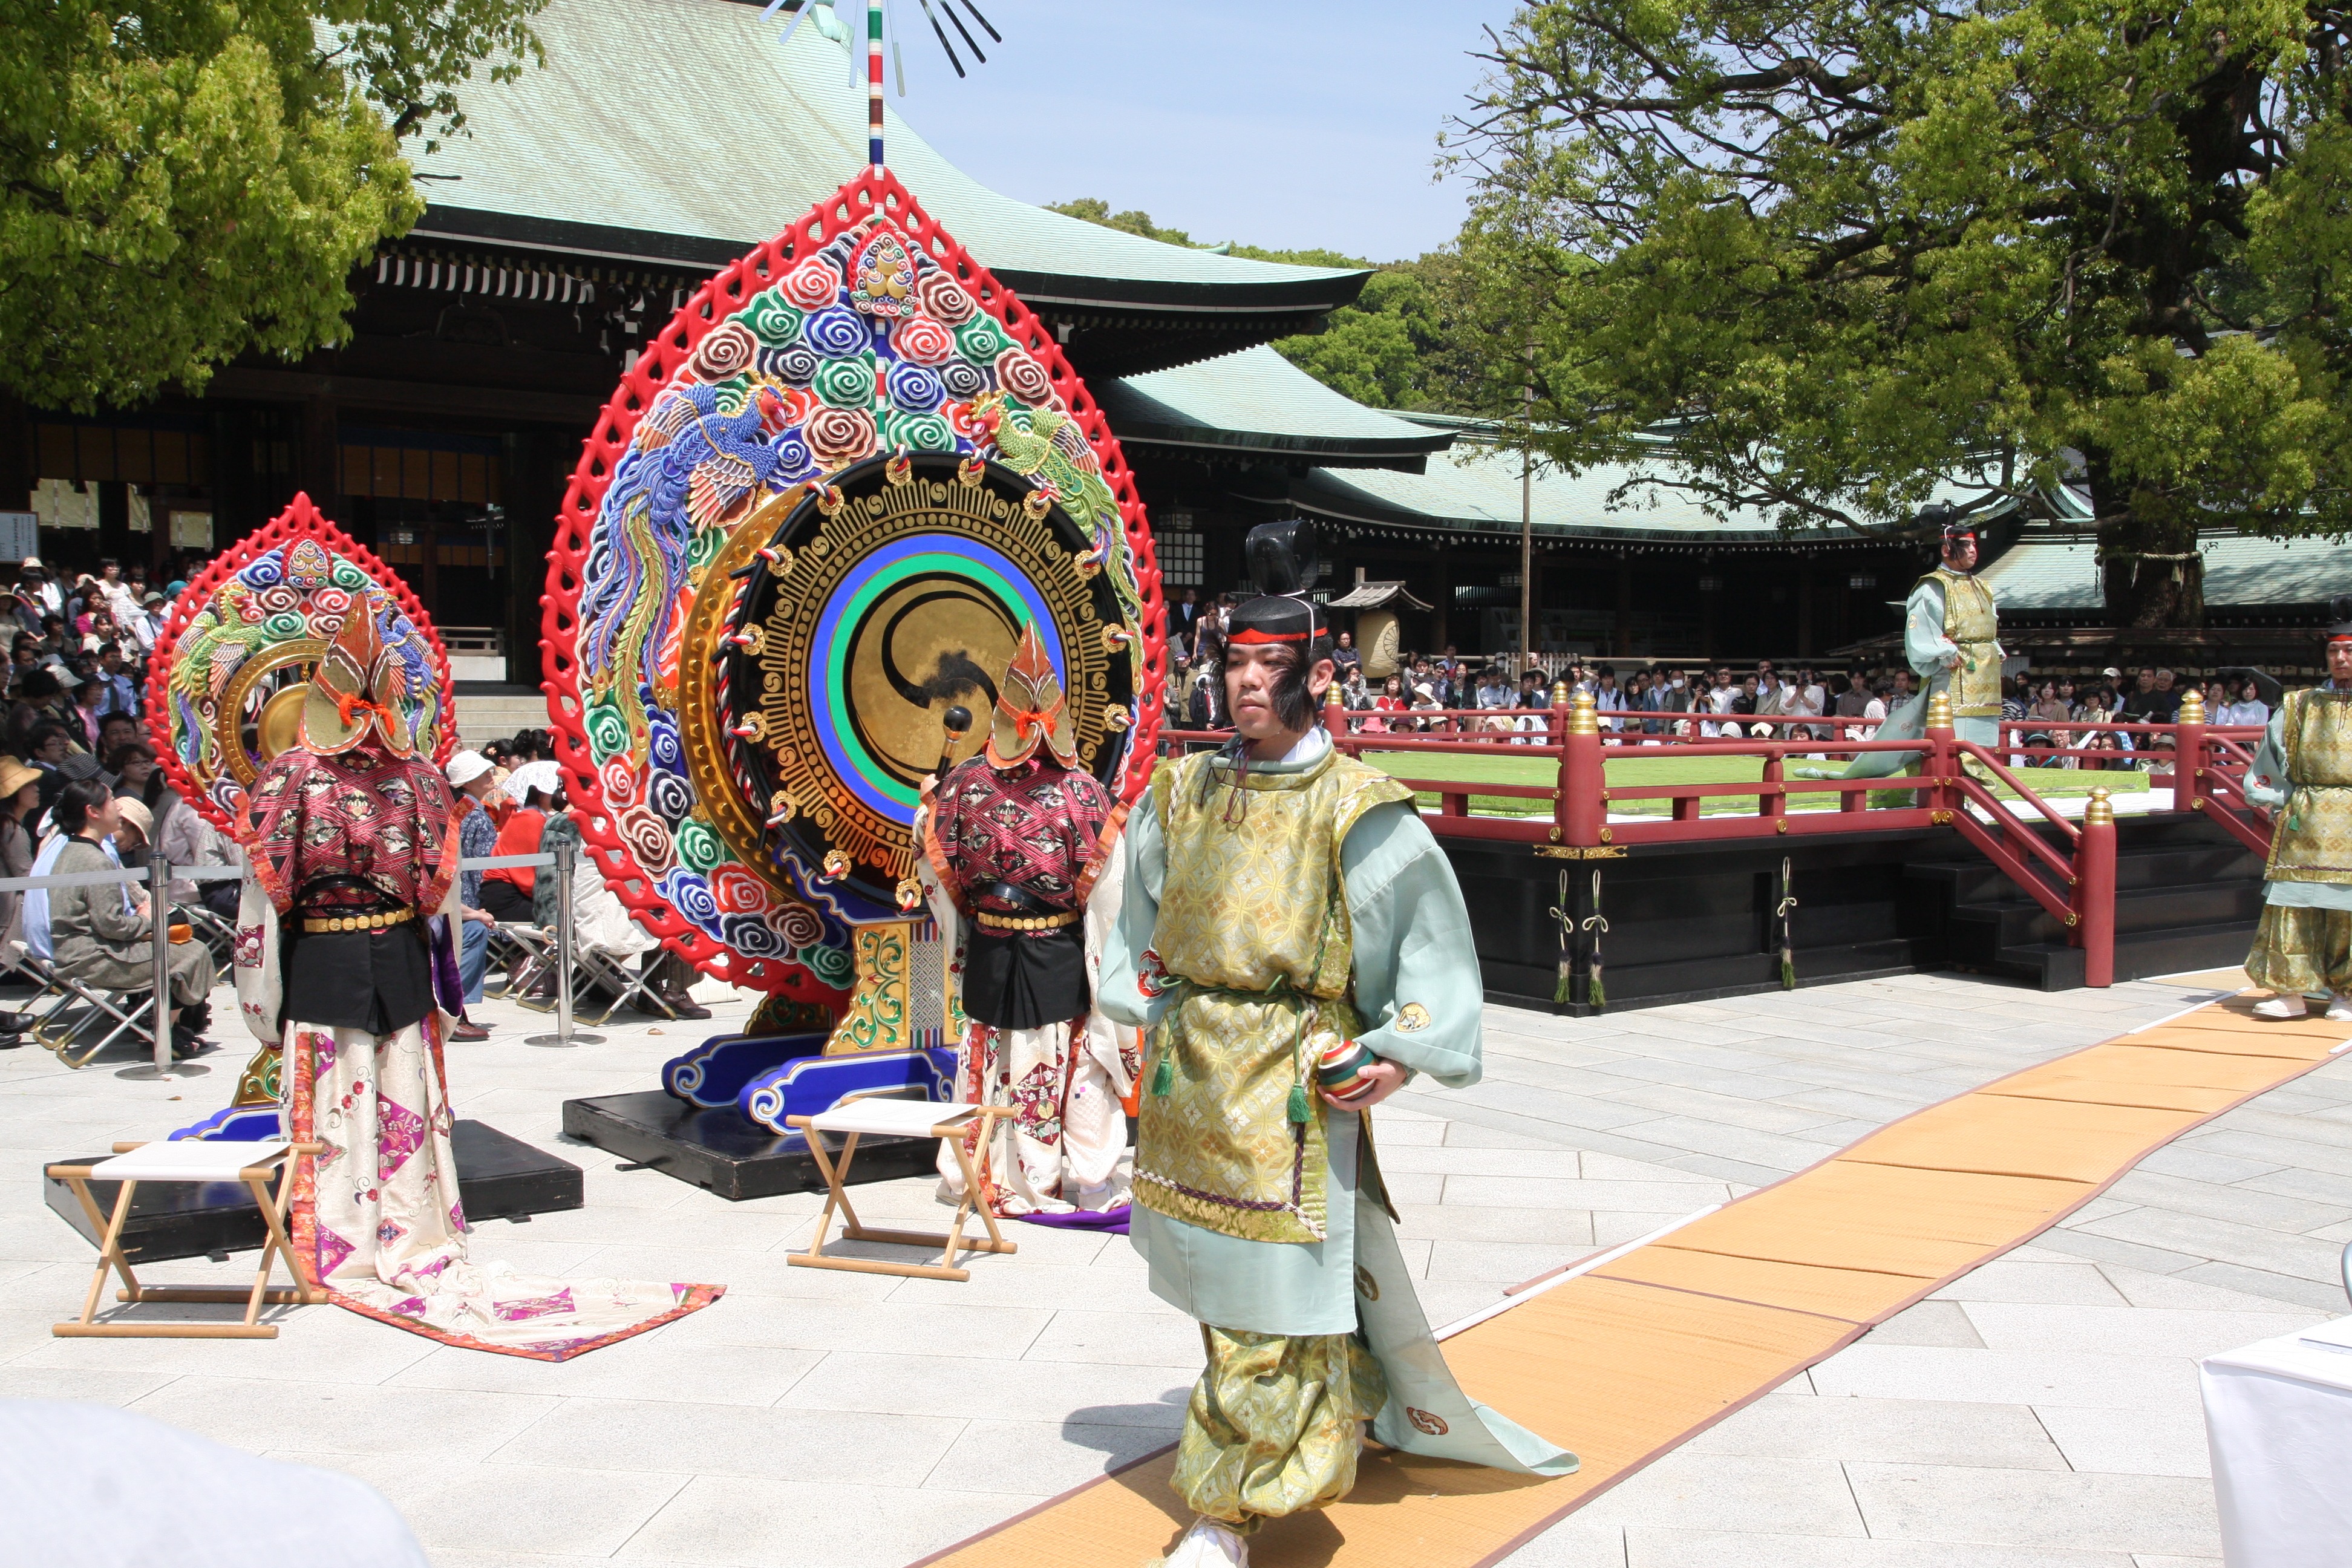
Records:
x=2041, y=1413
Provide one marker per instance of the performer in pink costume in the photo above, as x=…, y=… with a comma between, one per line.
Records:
x=345, y=955
x=1018, y=857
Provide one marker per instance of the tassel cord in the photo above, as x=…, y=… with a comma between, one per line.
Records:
x=1595, y=926
x=1784, y=912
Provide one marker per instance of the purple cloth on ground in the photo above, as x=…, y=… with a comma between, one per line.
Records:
x=1111, y=1222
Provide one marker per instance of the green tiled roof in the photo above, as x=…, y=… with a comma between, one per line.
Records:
x=1258, y=402
x=1475, y=489
x=685, y=119
x=2061, y=573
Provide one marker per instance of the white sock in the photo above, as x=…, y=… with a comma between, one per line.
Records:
x=2339, y=1008
x=1209, y=1544
x=2281, y=1007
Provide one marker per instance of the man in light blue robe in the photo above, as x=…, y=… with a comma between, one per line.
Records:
x=1307, y=1340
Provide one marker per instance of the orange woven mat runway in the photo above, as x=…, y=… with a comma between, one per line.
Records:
x=1625, y=1362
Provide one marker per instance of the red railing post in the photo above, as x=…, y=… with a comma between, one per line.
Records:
x=2094, y=890
x=2189, y=748
x=1943, y=760
x=1580, y=814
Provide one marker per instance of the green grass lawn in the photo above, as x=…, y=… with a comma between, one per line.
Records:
x=1636, y=769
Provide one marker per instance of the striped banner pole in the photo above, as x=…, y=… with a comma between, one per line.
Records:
x=874, y=81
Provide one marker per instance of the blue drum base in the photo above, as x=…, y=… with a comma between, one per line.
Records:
x=715, y=1072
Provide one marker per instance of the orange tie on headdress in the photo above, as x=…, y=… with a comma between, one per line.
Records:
x=354, y=710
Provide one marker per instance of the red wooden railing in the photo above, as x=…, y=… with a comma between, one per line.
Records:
x=2066, y=867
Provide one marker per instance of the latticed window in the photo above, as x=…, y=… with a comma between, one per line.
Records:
x=1181, y=559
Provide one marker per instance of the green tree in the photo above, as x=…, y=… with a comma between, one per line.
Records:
x=1095, y=210
x=184, y=180
x=1867, y=250
x=1393, y=348
x=1376, y=350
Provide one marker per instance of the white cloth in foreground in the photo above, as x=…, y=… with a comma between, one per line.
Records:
x=96, y=1487
x=2278, y=1421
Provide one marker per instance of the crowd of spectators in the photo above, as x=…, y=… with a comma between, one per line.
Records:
x=525, y=811
x=79, y=786
x=1657, y=703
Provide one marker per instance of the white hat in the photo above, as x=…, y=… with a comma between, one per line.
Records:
x=465, y=767
x=544, y=776
x=135, y=812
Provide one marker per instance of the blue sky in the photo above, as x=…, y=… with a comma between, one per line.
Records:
x=1288, y=126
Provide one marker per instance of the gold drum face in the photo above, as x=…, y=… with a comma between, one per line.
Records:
x=261, y=707
x=878, y=604
x=925, y=647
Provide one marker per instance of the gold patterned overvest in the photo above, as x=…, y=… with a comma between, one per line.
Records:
x=1974, y=627
x=2314, y=840
x=1255, y=935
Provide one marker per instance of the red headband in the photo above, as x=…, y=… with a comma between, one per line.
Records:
x=1255, y=635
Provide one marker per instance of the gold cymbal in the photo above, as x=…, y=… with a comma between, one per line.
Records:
x=280, y=725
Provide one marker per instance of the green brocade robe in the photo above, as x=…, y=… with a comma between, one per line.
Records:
x=2306, y=763
x=1413, y=998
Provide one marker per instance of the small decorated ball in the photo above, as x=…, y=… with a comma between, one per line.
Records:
x=1340, y=1070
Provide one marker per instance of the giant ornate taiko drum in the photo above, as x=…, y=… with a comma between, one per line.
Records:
x=811, y=519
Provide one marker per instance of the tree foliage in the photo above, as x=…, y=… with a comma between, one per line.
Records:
x=182, y=180
x=1400, y=345
x=1866, y=251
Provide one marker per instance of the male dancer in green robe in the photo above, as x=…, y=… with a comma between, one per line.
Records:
x=1297, y=943
x=2302, y=772
x=1951, y=640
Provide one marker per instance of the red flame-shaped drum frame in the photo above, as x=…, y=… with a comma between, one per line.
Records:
x=877, y=203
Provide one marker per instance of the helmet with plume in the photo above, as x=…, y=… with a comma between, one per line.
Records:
x=356, y=690
x=1030, y=709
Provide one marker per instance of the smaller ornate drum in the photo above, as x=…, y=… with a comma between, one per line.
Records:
x=224, y=689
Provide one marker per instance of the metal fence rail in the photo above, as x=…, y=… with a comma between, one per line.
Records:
x=161, y=874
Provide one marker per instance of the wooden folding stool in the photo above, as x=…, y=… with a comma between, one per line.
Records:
x=190, y=1160
x=898, y=1117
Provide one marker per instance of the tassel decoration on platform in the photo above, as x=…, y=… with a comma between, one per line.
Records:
x=1596, y=927
x=1788, y=931
x=1564, y=986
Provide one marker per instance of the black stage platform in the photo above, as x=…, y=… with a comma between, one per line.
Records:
x=723, y=1150
x=498, y=1177
x=1690, y=921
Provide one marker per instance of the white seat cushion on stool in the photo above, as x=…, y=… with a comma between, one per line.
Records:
x=891, y=1118
x=188, y=1160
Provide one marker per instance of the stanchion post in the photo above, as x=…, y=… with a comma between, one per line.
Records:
x=563, y=939
x=159, y=925
x=2094, y=890
x=564, y=1034
x=2189, y=753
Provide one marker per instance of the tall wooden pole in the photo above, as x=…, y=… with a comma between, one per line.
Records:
x=1528, y=512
